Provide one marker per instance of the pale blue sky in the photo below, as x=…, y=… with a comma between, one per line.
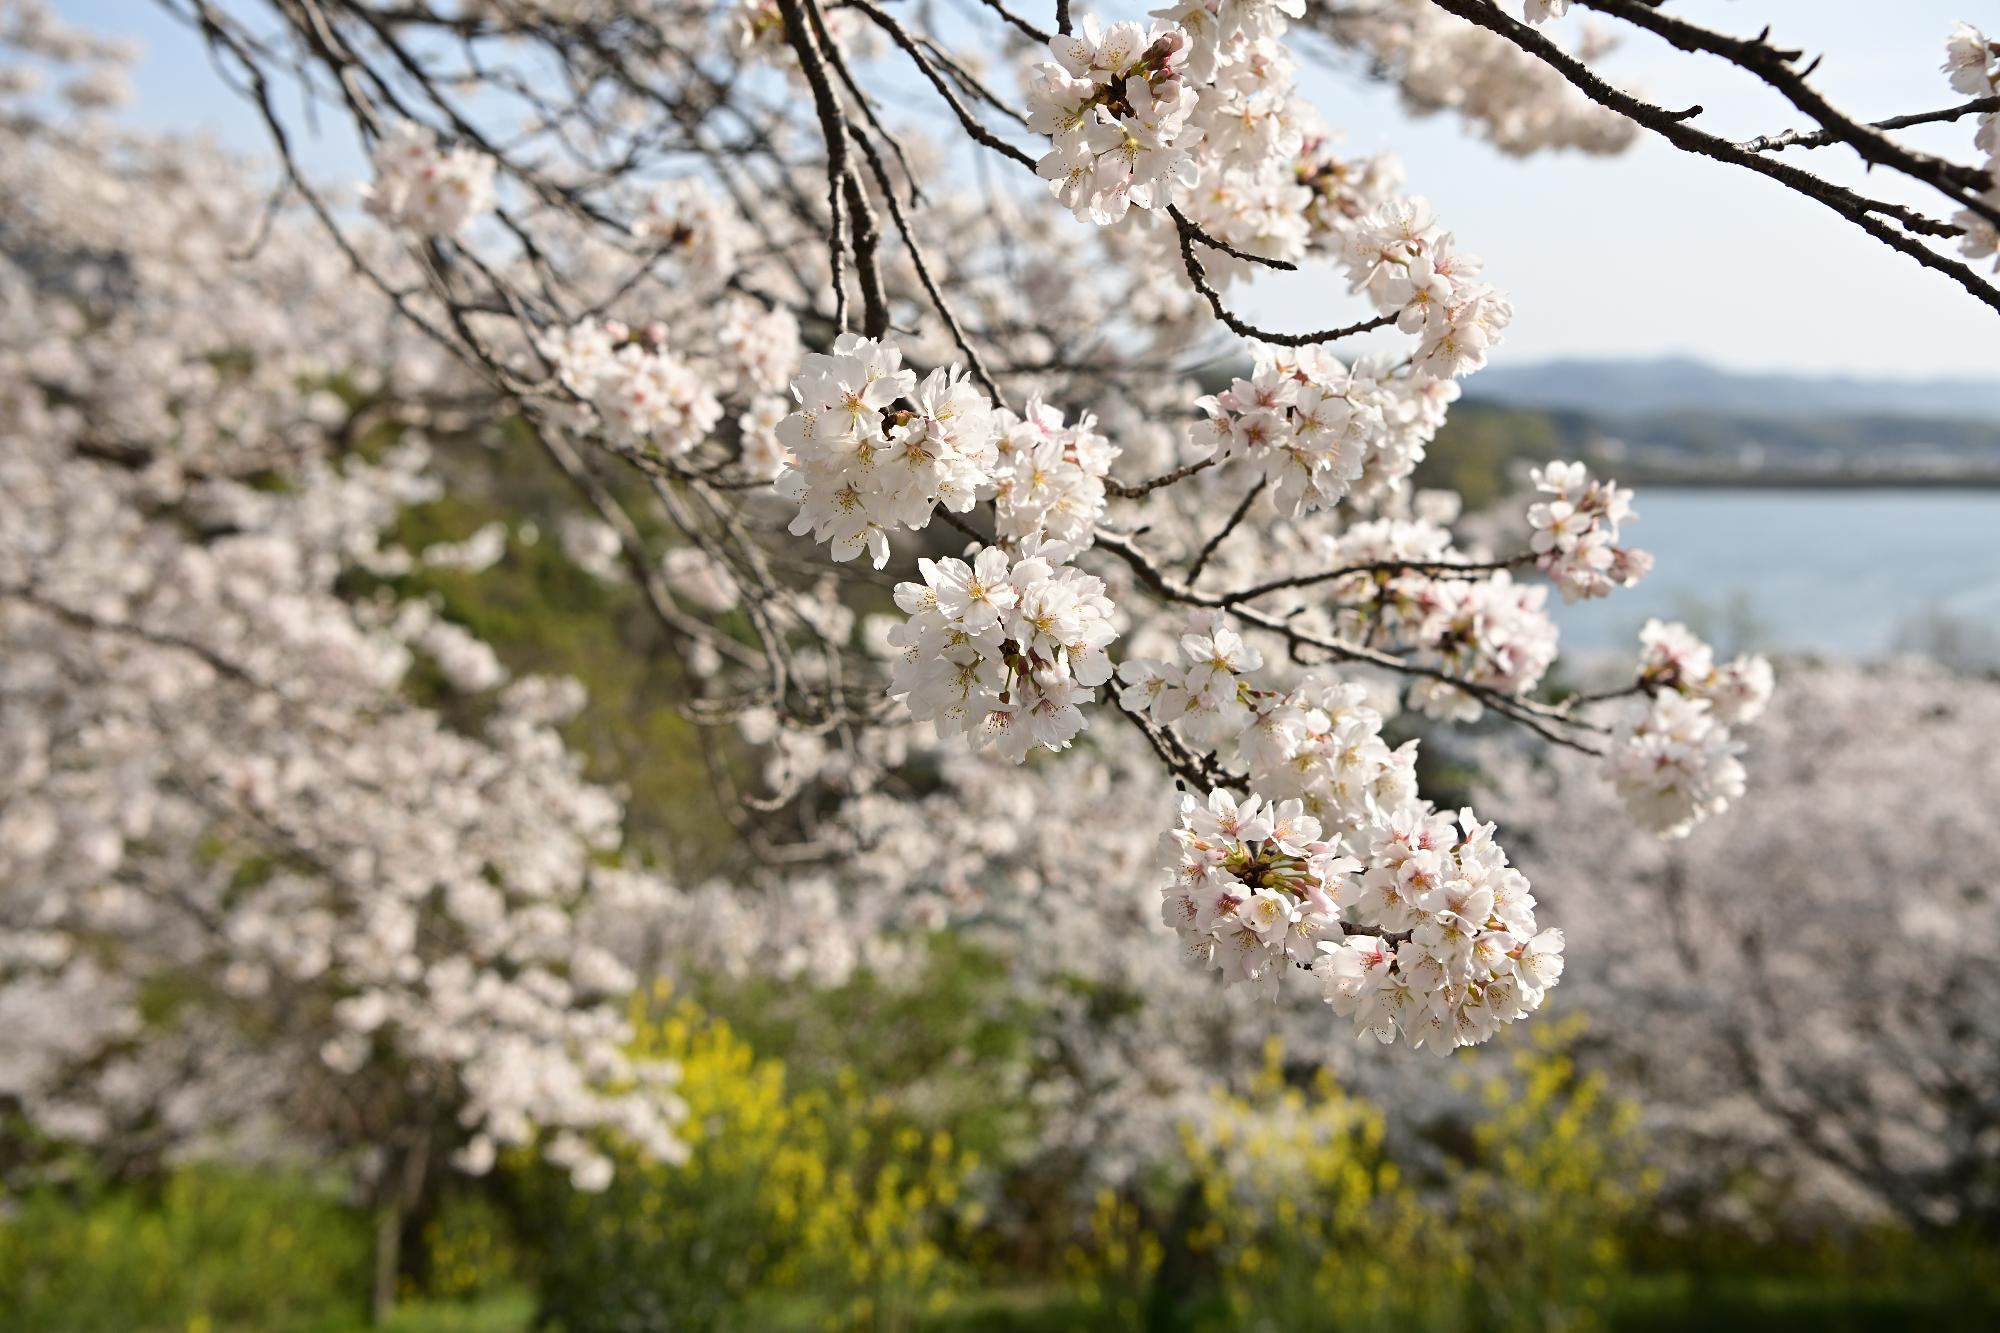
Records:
x=1645, y=254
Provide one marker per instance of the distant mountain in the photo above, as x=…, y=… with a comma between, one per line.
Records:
x=1625, y=389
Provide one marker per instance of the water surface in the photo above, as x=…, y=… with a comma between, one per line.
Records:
x=1848, y=573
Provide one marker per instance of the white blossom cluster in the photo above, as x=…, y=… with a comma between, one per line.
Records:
x=874, y=451
x=1481, y=627
x=1003, y=651
x=1671, y=657
x=1676, y=764
x=692, y=224
x=1576, y=532
x=1116, y=108
x=1317, y=428
x=1491, y=632
x=1972, y=62
x=1319, y=741
x=1440, y=62
x=425, y=189
x=1205, y=691
x=1254, y=889
x=1047, y=477
x=1467, y=951
x=641, y=392
x=1253, y=130
x=1411, y=268
x=1444, y=946
x=1458, y=953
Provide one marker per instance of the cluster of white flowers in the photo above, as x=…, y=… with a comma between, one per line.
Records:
x=1432, y=938
x=1253, y=129
x=701, y=578
x=1491, y=632
x=1576, y=532
x=1541, y=11
x=1254, y=887
x=759, y=349
x=874, y=451
x=1048, y=478
x=1671, y=657
x=1317, y=428
x=1441, y=62
x=1318, y=741
x=211, y=773
x=689, y=222
x=1411, y=268
x=1206, y=692
x=591, y=545
x=426, y=189
x=639, y=391
x=1299, y=423
x=1342, y=190
x=1116, y=107
x=1457, y=953
x=1003, y=652
x=1973, y=64
x=475, y=554
x=1675, y=763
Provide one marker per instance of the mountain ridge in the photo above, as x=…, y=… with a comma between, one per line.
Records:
x=1646, y=387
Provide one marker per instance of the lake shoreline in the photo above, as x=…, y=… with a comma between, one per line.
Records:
x=1786, y=481
x=1854, y=571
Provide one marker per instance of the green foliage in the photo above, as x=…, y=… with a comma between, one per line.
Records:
x=1484, y=452
x=1298, y=1215
x=818, y=1208
x=205, y=1251
x=960, y=1030
x=543, y=614
x=467, y=1250
x=820, y=1202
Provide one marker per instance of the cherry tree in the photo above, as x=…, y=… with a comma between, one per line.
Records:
x=1812, y=1001
x=931, y=445
x=256, y=898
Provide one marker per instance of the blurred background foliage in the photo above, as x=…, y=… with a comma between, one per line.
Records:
x=851, y=1149
x=820, y=1202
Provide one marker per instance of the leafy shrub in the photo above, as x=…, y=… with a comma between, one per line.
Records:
x=810, y=1208
x=1296, y=1215
x=206, y=1250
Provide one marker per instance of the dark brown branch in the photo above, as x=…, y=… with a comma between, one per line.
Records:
x=1138, y=489
x=1244, y=329
x=1855, y=208
x=1447, y=568
x=1222, y=533
x=1767, y=143
x=1775, y=67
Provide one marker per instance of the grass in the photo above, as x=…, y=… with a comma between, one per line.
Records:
x=511, y=1311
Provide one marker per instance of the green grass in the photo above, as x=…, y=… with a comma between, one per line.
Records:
x=510, y=1311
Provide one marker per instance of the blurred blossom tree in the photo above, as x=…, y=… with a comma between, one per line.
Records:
x=1812, y=1004
x=262, y=890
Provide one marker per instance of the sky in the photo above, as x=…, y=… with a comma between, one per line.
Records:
x=1646, y=254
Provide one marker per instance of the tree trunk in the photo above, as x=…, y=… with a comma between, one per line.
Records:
x=388, y=1260
x=397, y=1193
